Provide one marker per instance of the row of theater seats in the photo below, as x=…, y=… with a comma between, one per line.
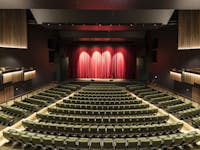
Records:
x=38, y=140
x=102, y=97
x=110, y=120
x=9, y=114
x=183, y=110
x=118, y=122
x=102, y=130
x=107, y=101
x=99, y=107
x=114, y=112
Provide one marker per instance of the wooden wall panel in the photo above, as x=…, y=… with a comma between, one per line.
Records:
x=189, y=29
x=6, y=94
x=175, y=76
x=13, y=29
x=29, y=75
x=191, y=78
x=196, y=94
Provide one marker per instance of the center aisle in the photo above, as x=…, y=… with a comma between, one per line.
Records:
x=102, y=116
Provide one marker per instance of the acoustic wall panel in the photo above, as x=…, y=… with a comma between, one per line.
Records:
x=12, y=77
x=189, y=29
x=196, y=94
x=191, y=78
x=13, y=29
x=29, y=75
x=176, y=76
x=17, y=76
x=6, y=94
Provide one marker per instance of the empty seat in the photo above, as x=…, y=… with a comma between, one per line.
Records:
x=95, y=144
x=120, y=144
x=83, y=143
x=108, y=144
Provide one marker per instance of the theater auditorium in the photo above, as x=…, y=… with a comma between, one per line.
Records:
x=99, y=75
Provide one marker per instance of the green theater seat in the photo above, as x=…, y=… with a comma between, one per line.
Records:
x=83, y=143
x=108, y=144
x=95, y=144
x=120, y=144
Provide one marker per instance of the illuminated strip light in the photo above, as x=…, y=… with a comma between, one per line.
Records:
x=175, y=76
x=191, y=78
x=188, y=48
x=29, y=75
x=7, y=77
x=15, y=76
x=13, y=46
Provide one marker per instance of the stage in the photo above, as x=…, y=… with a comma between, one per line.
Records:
x=85, y=81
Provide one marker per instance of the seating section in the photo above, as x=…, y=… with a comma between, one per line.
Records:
x=183, y=110
x=9, y=114
x=102, y=116
x=35, y=139
x=196, y=122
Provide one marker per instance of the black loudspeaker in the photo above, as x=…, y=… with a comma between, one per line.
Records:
x=51, y=56
x=155, y=43
x=154, y=55
x=52, y=43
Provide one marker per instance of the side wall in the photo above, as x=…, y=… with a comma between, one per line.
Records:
x=35, y=56
x=170, y=57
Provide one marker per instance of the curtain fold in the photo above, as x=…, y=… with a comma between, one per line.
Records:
x=102, y=62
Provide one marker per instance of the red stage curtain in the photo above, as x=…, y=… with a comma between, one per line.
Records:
x=102, y=62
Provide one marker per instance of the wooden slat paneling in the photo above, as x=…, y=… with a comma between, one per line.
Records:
x=13, y=29
x=29, y=75
x=12, y=77
x=176, y=76
x=6, y=94
x=196, y=94
x=191, y=78
x=189, y=29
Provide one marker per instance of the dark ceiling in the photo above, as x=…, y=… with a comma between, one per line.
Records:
x=100, y=4
x=106, y=19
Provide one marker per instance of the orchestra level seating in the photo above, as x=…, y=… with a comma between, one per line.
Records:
x=102, y=116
